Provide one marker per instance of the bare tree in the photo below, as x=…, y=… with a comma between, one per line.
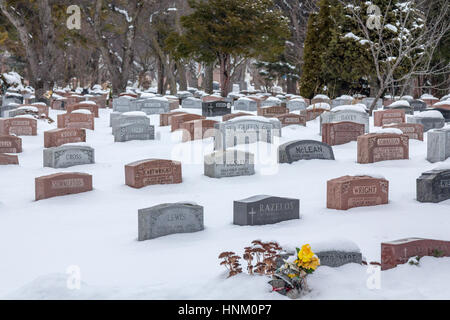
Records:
x=413, y=47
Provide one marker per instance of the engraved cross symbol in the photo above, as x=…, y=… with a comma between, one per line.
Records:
x=252, y=214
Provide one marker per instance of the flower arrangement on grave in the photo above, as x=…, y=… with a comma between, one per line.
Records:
x=290, y=278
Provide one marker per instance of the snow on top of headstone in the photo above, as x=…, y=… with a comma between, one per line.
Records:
x=274, y=99
x=245, y=99
x=160, y=99
x=447, y=97
x=388, y=130
x=87, y=102
x=134, y=113
x=350, y=107
x=428, y=97
x=400, y=103
x=169, y=97
x=297, y=100
x=322, y=246
x=321, y=96
x=84, y=111
x=12, y=94
x=12, y=78
x=345, y=97
x=28, y=116
x=13, y=104
x=431, y=114
x=39, y=104
x=30, y=108
x=407, y=98
x=147, y=95
x=127, y=97
x=441, y=103
x=321, y=105
x=255, y=198
x=256, y=118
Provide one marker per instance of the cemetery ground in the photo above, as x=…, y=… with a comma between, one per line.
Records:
x=97, y=231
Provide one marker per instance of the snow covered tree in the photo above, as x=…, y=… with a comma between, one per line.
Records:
x=230, y=31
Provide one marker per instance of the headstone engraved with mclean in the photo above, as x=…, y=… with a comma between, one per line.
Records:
x=432, y=119
x=229, y=163
x=341, y=132
x=434, y=186
x=8, y=159
x=152, y=171
x=438, y=145
x=412, y=130
x=169, y=218
x=60, y=184
x=68, y=156
x=384, y=117
x=376, y=147
x=304, y=150
x=245, y=130
x=216, y=108
x=400, y=251
x=263, y=209
x=10, y=144
x=347, y=116
x=19, y=126
x=356, y=191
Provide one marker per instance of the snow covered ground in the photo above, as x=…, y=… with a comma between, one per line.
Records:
x=97, y=231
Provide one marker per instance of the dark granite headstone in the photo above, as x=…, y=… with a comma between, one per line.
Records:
x=433, y=186
x=262, y=209
x=304, y=150
x=216, y=108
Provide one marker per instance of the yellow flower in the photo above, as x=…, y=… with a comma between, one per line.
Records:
x=292, y=275
x=305, y=254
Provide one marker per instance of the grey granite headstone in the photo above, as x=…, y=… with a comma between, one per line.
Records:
x=246, y=104
x=262, y=209
x=123, y=104
x=229, y=163
x=151, y=105
x=128, y=118
x=368, y=102
x=345, y=115
x=216, y=108
x=304, y=150
x=192, y=103
x=336, y=259
x=245, y=130
x=113, y=116
x=12, y=98
x=296, y=104
x=418, y=105
x=438, y=145
x=134, y=131
x=427, y=122
x=66, y=156
x=434, y=186
x=340, y=102
x=169, y=218
x=445, y=113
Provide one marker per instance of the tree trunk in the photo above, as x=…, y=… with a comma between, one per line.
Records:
x=225, y=66
x=182, y=76
x=208, y=78
x=160, y=76
x=378, y=96
x=291, y=86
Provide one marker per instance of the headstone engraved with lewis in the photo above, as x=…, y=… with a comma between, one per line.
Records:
x=169, y=218
x=304, y=150
x=434, y=186
x=263, y=209
x=68, y=156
